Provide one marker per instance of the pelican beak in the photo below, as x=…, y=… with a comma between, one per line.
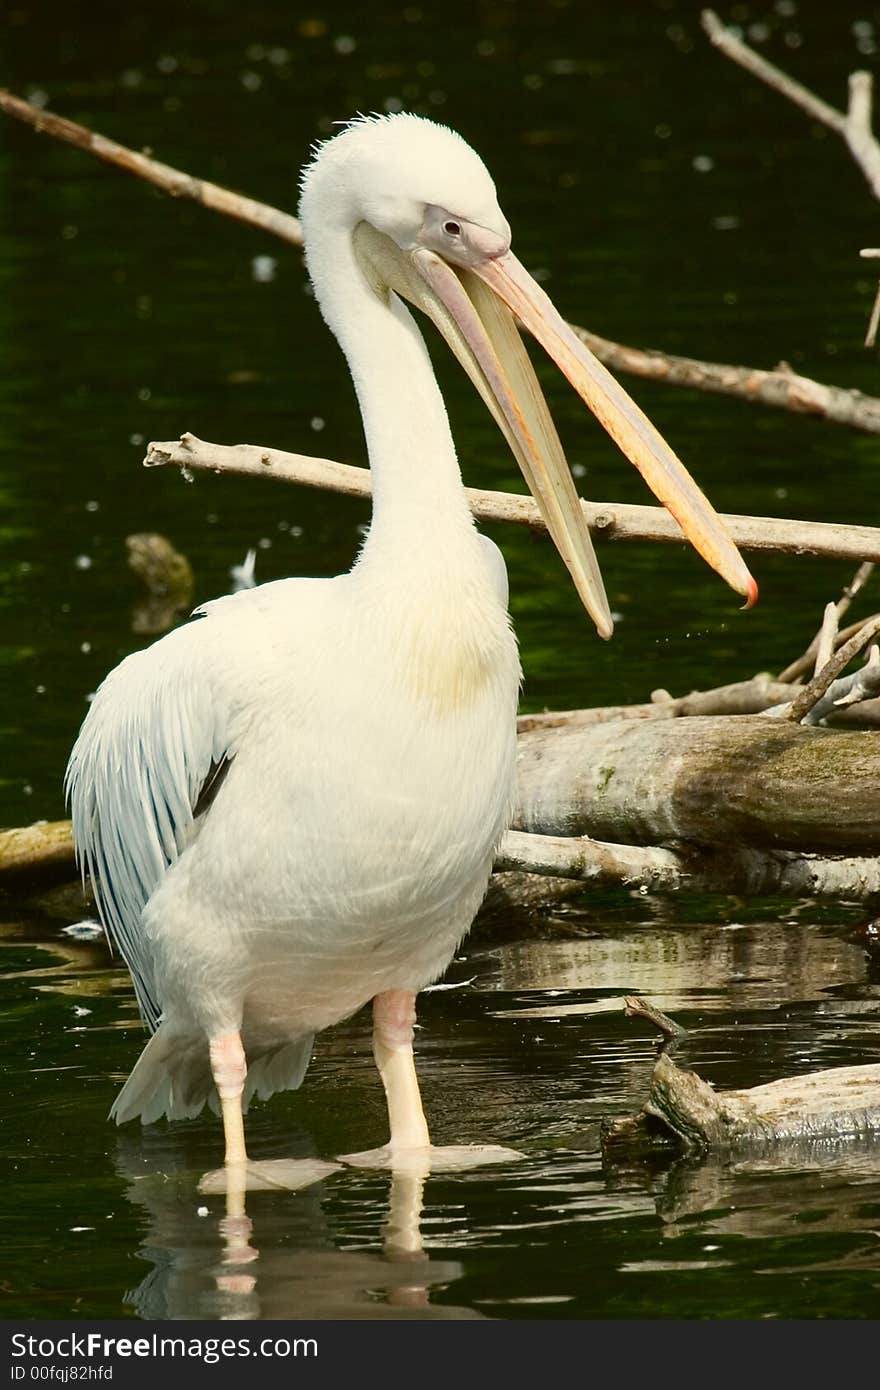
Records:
x=474, y=309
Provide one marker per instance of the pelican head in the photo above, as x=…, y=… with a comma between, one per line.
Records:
x=425, y=223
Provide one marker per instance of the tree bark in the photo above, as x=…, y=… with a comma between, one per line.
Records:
x=841, y=1104
x=716, y=781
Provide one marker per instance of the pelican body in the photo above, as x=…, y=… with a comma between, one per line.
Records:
x=289, y=806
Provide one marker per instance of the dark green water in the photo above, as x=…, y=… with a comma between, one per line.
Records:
x=670, y=202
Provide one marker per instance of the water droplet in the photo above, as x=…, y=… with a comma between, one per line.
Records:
x=263, y=269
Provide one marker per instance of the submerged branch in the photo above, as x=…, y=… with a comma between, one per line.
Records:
x=614, y=521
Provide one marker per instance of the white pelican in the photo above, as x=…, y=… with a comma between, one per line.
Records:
x=289, y=807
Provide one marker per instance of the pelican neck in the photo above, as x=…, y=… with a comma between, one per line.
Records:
x=418, y=495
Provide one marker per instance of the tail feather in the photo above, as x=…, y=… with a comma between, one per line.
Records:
x=172, y=1077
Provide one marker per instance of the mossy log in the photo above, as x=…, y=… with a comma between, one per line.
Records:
x=823, y=1107
x=744, y=780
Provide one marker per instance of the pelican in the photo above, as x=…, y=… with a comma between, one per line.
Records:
x=288, y=806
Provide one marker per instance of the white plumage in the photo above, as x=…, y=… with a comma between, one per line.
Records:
x=289, y=806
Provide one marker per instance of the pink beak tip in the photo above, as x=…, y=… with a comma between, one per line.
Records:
x=751, y=594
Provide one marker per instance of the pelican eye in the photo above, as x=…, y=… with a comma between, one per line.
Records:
x=452, y=228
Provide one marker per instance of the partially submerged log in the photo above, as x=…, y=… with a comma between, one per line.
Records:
x=841, y=1104
x=718, y=781
x=43, y=852
x=714, y=804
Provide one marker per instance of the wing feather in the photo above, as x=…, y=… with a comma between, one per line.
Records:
x=157, y=732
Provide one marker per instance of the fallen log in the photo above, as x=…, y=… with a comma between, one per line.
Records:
x=713, y=781
x=837, y=1106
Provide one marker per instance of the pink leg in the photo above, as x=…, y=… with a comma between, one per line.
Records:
x=409, y=1147
x=394, y=1016
x=229, y=1070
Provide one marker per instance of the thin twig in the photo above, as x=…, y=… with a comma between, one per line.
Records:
x=874, y=320
x=814, y=691
x=827, y=637
x=855, y=586
x=857, y=132
x=611, y=520
x=853, y=689
x=781, y=388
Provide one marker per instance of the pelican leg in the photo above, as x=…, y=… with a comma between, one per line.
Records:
x=239, y=1173
x=394, y=1018
x=409, y=1146
x=229, y=1070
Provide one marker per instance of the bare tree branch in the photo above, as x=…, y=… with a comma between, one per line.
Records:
x=854, y=126
x=614, y=521
x=857, y=131
x=861, y=685
x=827, y=638
x=742, y=697
x=733, y=47
x=781, y=388
x=172, y=181
x=812, y=693
x=733, y=869
x=854, y=587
